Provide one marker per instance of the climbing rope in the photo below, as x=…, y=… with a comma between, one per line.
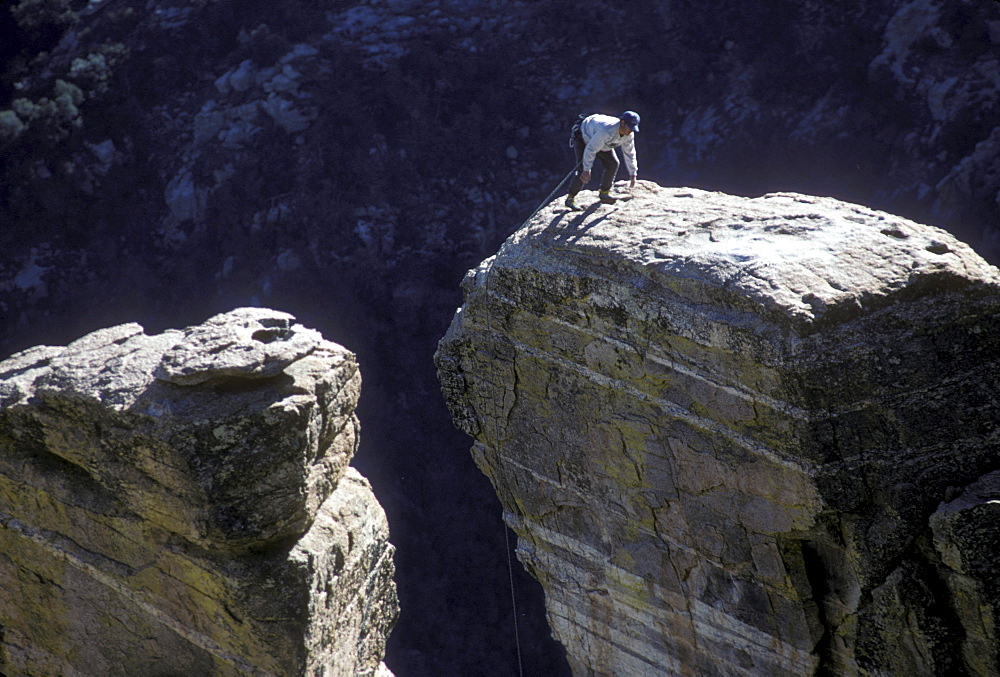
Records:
x=513, y=601
x=497, y=408
x=497, y=413
x=546, y=200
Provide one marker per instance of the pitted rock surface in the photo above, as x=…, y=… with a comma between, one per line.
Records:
x=165, y=508
x=722, y=428
x=244, y=343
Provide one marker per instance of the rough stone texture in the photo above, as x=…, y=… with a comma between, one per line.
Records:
x=180, y=188
x=182, y=504
x=722, y=428
x=258, y=344
x=966, y=533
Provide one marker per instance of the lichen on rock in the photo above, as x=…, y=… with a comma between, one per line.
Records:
x=182, y=502
x=722, y=428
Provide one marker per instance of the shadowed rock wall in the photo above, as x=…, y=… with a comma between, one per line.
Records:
x=741, y=436
x=181, y=503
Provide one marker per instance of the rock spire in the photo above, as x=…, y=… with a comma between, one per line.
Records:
x=741, y=436
x=182, y=503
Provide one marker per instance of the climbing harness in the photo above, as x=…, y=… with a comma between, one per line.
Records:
x=576, y=130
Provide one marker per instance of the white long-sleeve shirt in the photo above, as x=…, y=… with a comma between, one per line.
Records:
x=600, y=132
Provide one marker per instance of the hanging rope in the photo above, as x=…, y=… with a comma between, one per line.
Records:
x=497, y=413
x=546, y=200
x=497, y=408
x=513, y=601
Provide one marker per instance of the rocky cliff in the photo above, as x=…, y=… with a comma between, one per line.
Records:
x=162, y=161
x=741, y=436
x=182, y=503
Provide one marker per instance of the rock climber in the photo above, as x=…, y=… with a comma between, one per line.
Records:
x=597, y=136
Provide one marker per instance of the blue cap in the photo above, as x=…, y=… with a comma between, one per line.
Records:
x=631, y=118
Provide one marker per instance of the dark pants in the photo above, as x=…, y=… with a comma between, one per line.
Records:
x=608, y=158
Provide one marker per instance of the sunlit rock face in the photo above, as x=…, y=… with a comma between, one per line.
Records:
x=182, y=504
x=734, y=435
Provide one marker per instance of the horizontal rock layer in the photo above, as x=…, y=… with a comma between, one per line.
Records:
x=721, y=427
x=181, y=503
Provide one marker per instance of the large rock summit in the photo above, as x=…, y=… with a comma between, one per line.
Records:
x=182, y=504
x=741, y=436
